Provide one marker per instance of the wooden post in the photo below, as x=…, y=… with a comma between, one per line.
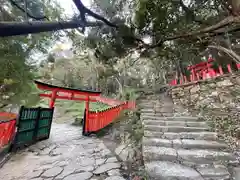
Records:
x=87, y=113
x=53, y=98
x=229, y=68
x=220, y=70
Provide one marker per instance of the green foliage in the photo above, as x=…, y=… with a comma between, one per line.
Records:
x=17, y=54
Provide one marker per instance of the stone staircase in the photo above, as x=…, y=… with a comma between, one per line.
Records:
x=181, y=147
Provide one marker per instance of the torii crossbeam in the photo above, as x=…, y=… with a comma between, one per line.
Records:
x=57, y=92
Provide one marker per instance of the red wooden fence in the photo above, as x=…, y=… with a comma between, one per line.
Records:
x=7, y=128
x=201, y=72
x=108, y=101
x=96, y=120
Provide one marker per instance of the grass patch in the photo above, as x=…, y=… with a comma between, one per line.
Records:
x=72, y=110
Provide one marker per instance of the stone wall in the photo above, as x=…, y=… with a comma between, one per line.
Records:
x=217, y=100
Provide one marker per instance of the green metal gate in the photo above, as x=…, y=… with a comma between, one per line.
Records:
x=33, y=124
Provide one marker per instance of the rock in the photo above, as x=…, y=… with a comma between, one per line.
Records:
x=100, y=161
x=106, y=167
x=238, y=80
x=85, y=168
x=79, y=176
x=169, y=170
x=224, y=83
x=85, y=161
x=194, y=97
x=214, y=173
x=111, y=160
x=225, y=98
x=236, y=173
x=125, y=153
x=214, y=93
x=66, y=171
x=195, y=89
x=52, y=172
x=34, y=174
x=115, y=178
x=114, y=172
x=62, y=163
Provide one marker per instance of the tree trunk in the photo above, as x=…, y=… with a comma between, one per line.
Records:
x=229, y=52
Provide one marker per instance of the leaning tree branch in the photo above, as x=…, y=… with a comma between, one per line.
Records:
x=211, y=30
x=25, y=11
x=84, y=10
x=229, y=52
x=23, y=28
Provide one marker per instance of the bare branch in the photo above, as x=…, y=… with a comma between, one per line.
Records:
x=211, y=30
x=84, y=10
x=23, y=10
x=229, y=52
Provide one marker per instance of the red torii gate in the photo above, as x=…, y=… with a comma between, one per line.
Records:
x=93, y=120
x=58, y=92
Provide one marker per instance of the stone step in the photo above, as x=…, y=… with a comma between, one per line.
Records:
x=184, y=143
x=151, y=153
x=165, y=170
x=155, y=106
x=175, y=129
x=182, y=135
x=147, y=111
x=168, y=170
x=188, y=157
x=147, y=105
x=167, y=114
x=180, y=118
x=219, y=172
x=156, y=113
x=176, y=123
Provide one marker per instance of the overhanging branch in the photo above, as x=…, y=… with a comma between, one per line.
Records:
x=24, y=28
x=208, y=30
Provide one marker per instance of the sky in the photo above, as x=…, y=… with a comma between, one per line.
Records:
x=69, y=6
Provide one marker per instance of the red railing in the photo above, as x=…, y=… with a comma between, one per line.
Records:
x=7, y=128
x=108, y=101
x=96, y=120
x=202, y=71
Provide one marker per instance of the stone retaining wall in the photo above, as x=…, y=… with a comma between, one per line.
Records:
x=217, y=100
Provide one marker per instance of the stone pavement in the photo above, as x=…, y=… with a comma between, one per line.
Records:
x=183, y=147
x=65, y=155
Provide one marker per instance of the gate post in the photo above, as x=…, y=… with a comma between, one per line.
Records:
x=84, y=123
x=85, y=120
x=53, y=98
